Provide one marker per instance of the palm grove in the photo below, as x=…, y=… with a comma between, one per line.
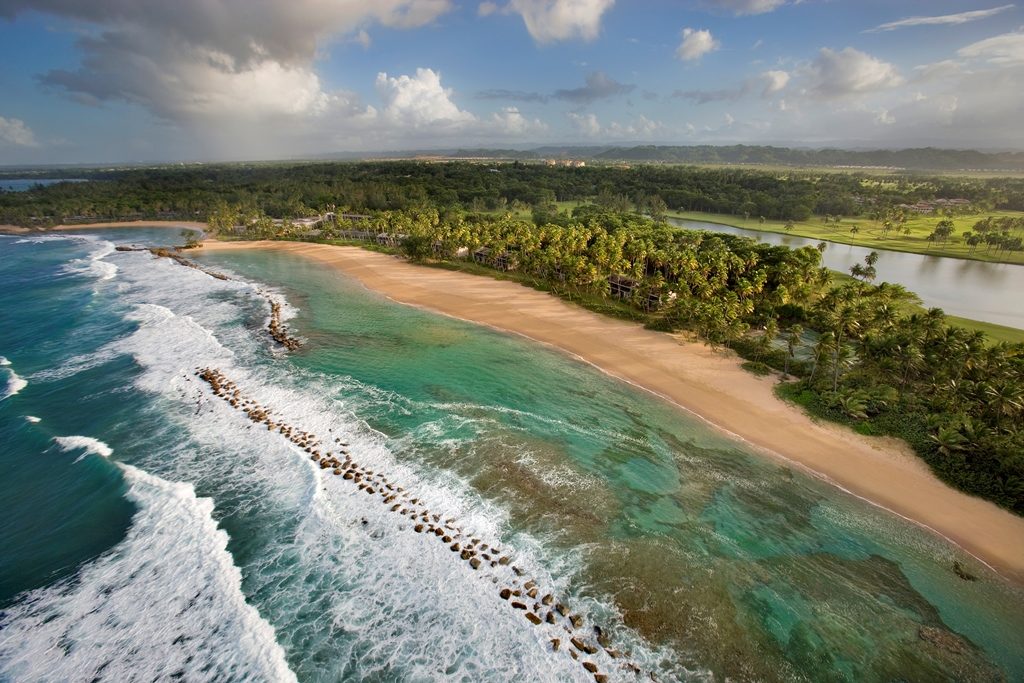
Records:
x=955, y=398
x=859, y=357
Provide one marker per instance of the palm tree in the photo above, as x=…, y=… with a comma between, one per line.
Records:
x=793, y=340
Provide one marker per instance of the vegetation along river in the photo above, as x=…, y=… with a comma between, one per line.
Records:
x=976, y=290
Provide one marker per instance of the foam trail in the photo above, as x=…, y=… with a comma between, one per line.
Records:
x=14, y=385
x=86, y=443
x=74, y=366
x=94, y=264
x=32, y=419
x=353, y=591
x=4, y=361
x=165, y=603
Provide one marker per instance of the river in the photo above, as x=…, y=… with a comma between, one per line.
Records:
x=976, y=290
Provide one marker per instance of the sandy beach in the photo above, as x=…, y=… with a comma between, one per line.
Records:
x=704, y=382
x=19, y=230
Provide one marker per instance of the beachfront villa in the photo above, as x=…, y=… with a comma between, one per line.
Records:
x=503, y=261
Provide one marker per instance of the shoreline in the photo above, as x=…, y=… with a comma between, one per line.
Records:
x=706, y=384
x=19, y=230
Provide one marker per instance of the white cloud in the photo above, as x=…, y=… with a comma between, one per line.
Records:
x=745, y=7
x=551, y=20
x=216, y=59
x=245, y=30
x=848, y=72
x=769, y=83
x=1007, y=48
x=640, y=128
x=937, y=71
x=363, y=38
x=510, y=122
x=774, y=81
x=696, y=44
x=945, y=19
x=587, y=124
x=487, y=8
x=15, y=132
x=419, y=101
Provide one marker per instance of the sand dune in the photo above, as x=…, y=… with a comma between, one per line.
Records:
x=704, y=382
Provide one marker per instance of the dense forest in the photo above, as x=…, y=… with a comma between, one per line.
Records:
x=958, y=400
x=293, y=190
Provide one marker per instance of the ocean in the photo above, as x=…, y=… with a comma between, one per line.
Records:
x=151, y=530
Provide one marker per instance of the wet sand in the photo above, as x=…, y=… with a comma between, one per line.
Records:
x=706, y=383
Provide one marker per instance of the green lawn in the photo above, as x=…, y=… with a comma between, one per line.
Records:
x=870, y=233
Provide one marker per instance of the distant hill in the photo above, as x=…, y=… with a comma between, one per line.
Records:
x=919, y=159
x=927, y=158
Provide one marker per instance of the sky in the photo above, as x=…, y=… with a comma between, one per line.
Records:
x=108, y=81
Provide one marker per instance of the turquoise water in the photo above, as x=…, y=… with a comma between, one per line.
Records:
x=151, y=530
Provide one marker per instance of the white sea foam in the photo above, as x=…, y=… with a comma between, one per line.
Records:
x=75, y=365
x=164, y=603
x=93, y=264
x=43, y=239
x=352, y=590
x=85, y=443
x=4, y=361
x=14, y=384
x=32, y=419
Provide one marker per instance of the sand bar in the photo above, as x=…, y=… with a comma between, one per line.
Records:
x=704, y=382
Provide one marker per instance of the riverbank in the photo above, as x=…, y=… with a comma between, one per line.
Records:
x=184, y=225
x=869, y=233
x=706, y=383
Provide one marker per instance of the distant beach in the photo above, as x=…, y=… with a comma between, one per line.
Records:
x=702, y=381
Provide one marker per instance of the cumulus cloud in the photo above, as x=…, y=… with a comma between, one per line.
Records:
x=945, y=19
x=745, y=7
x=586, y=124
x=245, y=31
x=639, y=128
x=598, y=86
x=696, y=44
x=552, y=20
x=215, y=59
x=1007, y=48
x=15, y=132
x=509, y=121
x=419, y=100
x=937, y=71
x=774, y=81
x=848, y=72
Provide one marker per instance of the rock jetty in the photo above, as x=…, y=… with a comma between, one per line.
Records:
x=490, y=560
